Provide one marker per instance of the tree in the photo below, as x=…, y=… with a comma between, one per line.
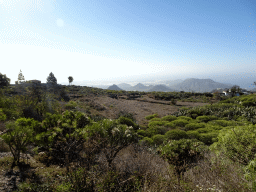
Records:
x=21, y=77
x=235, y=89
x=70, y=79
x=51, y=79
x=19, y=134
x=4, y=81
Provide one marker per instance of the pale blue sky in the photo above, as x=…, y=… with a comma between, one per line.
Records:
x=124, y=39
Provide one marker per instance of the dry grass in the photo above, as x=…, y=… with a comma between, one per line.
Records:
x=217, y=174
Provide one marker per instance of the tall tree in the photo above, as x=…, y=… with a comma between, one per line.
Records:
x=4, y=81
x=21, y=77
x=70, y=79
x=51, y=79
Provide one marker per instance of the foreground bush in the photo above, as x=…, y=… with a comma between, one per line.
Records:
x=182, y=153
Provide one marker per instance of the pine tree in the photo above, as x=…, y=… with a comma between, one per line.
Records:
x=51, y=79
x=21, y=77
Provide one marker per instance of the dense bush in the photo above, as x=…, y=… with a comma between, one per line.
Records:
x=158, y=139
x=169, y=118
x=156, y=130
x=128, y=122
x=239, y=143
x=182, y=153
x=205, y=118
x=223, y=123
x=176, y=134
x=194, y=126
x=146, y=141
x=208, y=138
x=193, y=135
x=180, y=122
x=71, y=105
x=151, y=116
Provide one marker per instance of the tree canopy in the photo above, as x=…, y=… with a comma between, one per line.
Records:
x=4, y=81
x=51, y=79
x=21, y=77
x=70, y=79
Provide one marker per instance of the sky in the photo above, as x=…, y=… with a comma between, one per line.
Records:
x=124, y=40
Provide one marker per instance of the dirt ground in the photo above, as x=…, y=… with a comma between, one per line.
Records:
x=140, y=107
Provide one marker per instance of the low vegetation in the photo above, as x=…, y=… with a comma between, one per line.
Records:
x=58, y=144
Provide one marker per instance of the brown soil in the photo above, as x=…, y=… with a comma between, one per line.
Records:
x=140, y=107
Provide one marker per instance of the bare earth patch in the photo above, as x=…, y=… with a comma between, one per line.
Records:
x=140, y=107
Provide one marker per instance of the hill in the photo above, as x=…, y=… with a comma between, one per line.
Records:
x=125, y=86
x=114, y=87
x=199, y=85
x=160, y=88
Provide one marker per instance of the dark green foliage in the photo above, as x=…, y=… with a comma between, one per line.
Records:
x=156, y=123
x=208, y=138
x=155, y=119
x=180, y=122
x=51, y=79
x=176, y=134
x=194, y=126
x=81, y=120
x=169, y=118
x=142, y=133
x=193, y=135
x=182, y=153
x=205, y=118
x=4, y=81
x=128, y=122
x=19, y=134
x=184, y=118
x=71, y=105
x=151, y=116
x=156, y=130
x=127, y=115
x=158, y=139
x=223, y=123
x=146, y=141
x=2, y=115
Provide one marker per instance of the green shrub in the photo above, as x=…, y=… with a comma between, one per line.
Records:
x=194, y=126
x=151, y=116
x=208, y=138
x=71, y=105
x=146, y=141
x=184, y=118
x=237, y=143
x=205, y=118
x=182, y=153
x=2, y=115
x=155, y=119
x=158, y=139
x=193, y=135
x=180, y=122
x=156, y=123
x=205, y=130
x=176, y=134
x=156, y=130
x=223, y=123
x=19, y=134
x=128, y=122
x=169, y=118
x=142, y=133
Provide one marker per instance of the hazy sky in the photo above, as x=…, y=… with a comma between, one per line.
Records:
x=106, y=39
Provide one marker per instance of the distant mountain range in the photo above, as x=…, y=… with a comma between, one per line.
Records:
x=188, y=85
